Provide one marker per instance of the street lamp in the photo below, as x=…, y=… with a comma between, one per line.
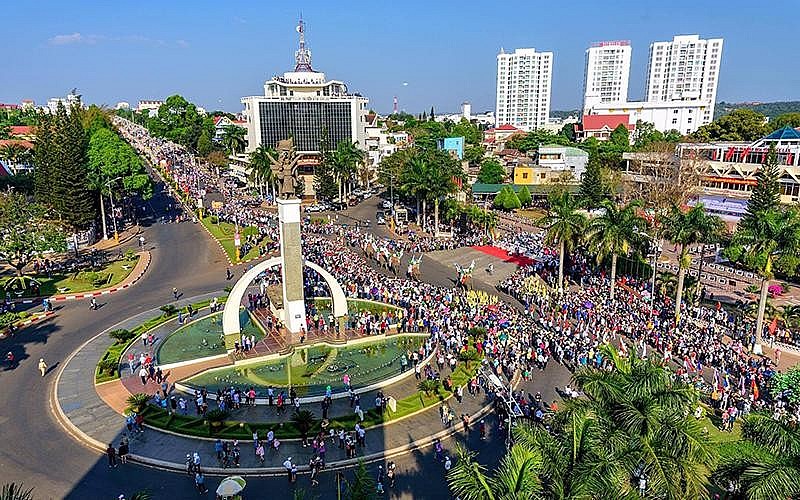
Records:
x=655, y=251
x=113, y=213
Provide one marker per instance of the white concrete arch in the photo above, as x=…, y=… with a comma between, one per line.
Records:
x=230, y=315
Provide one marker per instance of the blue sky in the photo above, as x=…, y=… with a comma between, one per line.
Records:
x=214, y=52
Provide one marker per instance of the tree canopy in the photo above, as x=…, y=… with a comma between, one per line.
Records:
x=739, y=125
x=26, y=231
x=491, y=172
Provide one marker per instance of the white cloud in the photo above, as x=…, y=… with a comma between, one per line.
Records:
x=79, y=38
x=66, y=39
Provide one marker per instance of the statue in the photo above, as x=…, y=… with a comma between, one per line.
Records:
x=284, y=168
x=465, y=275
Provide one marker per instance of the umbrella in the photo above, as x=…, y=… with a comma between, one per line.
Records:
x=231, y=485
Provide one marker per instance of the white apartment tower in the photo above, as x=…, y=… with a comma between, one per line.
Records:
x=607, y=70
x=685, y=69
x=523, y=88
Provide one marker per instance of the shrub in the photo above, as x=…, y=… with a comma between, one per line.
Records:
x=137, y=402
x=121, y=335
x=217, y=415
x=169, y=310
x=429, y=386
x=109, y=365
x=130, y=255
x=214, y=219
x=524, y=196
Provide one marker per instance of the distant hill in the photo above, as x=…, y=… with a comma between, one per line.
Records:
x=768, y=109
x=564, y=114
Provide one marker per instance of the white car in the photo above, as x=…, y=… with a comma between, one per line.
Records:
x=381, y=221
x=386, y=204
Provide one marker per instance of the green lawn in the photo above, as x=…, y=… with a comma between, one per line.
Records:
x=224, y=233
x=83, y=281
x=532, y=213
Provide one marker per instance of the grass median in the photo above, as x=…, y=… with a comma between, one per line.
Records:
x=224, y=232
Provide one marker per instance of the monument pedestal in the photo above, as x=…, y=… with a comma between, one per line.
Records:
x=294, y=307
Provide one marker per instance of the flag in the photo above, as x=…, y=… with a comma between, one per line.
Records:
x=755, y=389
x=773, y=326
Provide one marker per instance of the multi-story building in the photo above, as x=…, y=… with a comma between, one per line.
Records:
x=607, y=70
x=151, y=106
x=681, y=89
x=72, y=99
x=304, y=105
x=685, y=69
x=523, y=88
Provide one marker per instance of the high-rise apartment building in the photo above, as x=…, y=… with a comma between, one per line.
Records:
x=685, y=69
x=523, y=88
x=608, y=66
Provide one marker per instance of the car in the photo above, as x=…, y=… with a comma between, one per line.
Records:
x=381, y=221
x=386, y=204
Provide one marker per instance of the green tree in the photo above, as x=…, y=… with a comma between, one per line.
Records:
x=414, y=182
x=785, y=120
x=770, y=239
x=71, y=196
x=564, y=225
x=440, y=185
x=362, y=486
x=261, y=169
x=179, y=121
x=432, y=117
x=233, y=138
x=491, y=172
x=500, y=198
x=766, y=465
x=620, y=137
x=739, y=125
x=787, y=382
x=204, y=143
x=516, y=477
x=766, y=194
x=614, y=233
x=687, y=229
x=45, y=159
x=592, y=190
x=474, y=154
x=344, y=162
x=524, y=196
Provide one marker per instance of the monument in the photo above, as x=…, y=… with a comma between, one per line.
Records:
x=284, y=167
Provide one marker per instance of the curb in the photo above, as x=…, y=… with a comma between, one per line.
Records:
x=94, y=293
x=28, y=322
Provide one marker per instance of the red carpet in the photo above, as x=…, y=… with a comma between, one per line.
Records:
x=501, y=254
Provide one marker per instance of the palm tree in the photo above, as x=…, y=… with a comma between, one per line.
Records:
x=766, y=465
x=346, y=159
x=515, y=478
x=233, y=138
x=440, y=184
x=563, y=224
x=615, y=232
x=773, y=236
x=13, y=154
x=789, y=315
x=687, y=229
x=261, y=168
x=14, y=491
x=414, y=181
x=304, y=421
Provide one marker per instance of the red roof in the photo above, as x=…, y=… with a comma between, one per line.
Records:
x=598, y=122
x=22, y=130
x=18, y=142
x=507, y=126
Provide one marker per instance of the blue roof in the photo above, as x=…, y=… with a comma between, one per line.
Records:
x=786, y=132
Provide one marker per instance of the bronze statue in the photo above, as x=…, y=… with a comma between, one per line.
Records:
x=284, y=168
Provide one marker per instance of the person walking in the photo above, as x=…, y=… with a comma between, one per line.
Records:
x=200, y=482
x=123, y=450
x=175, y=292
x=42, y=366
x=111, y=453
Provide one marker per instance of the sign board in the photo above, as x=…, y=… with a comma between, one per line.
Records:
x=237, y=241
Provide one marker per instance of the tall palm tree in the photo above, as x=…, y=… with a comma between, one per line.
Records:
x=345, y=160
x=789, y=315
x=771, y=237
x=615, y=232
x=414, y=181
x=233, y=138
x=563, y=224
x=766, y=465
x=515, y=478
x=261, y=168
x=440, y=184
x=14, y=154
x=14, y=491
x=687, y=229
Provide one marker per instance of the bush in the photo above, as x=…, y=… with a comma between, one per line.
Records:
x=217, y=415
x=9, y=318
x=169, y=310
x=524, y=196
x=429, y=386
x=214, y=219
x=137, y=402
x=121, y=335
x=109, y=365
x=130, y=255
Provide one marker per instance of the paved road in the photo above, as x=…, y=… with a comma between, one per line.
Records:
x=34, y=449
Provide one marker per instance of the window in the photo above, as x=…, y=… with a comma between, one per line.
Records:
x=674, y=121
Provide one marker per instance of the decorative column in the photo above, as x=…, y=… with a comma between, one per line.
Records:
x=294, y=309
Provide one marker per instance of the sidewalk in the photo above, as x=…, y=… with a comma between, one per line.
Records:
x=124, y=237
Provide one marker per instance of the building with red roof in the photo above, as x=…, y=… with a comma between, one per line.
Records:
x=601, y=126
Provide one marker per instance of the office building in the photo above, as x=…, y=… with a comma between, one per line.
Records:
x=608, y=67
x=523, y=88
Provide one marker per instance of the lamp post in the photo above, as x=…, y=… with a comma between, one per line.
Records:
x=654, y=244
x=113, y=212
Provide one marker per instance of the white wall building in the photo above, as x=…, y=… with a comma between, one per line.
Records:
x=523, y=88
x=685, y=69
x=151, y=106
x=72, y=99
x=681, y=89
x=607, y=70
